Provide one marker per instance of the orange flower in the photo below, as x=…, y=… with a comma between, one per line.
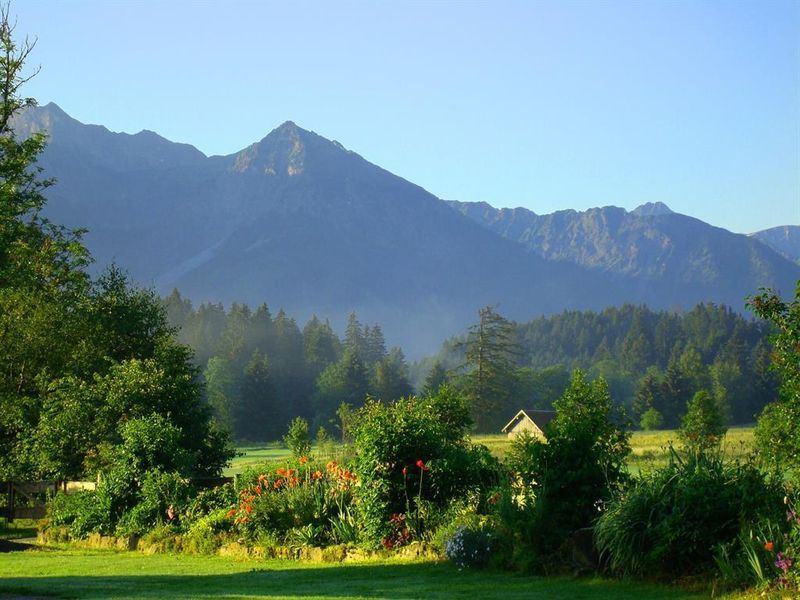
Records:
x=281, y=472
x=278, y=483
x=331, y=466
x=316, y=475
x=247, y=508
x=231, y=512
x=769, y=546
x=258, y=490
x=303, y=460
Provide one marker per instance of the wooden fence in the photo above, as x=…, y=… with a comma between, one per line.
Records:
x=28, y=499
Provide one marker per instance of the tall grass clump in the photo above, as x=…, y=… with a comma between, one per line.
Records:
x=670, y=522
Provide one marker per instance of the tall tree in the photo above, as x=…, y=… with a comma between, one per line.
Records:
x=491, y=349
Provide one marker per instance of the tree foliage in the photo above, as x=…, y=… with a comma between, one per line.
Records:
x=777, y=433
x=79, y=359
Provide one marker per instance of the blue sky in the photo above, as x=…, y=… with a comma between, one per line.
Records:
x=547, y=105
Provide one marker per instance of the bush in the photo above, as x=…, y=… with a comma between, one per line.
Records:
x=413, y=460
x=560, y=486
x=669, y=522
x=162, y=500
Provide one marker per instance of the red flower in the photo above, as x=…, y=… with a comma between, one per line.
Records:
x=421, y=464
x=405, y=471
x=258, y=490
x=769, y=546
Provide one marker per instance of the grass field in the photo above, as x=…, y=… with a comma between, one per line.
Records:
x=130, y=575
x=648, y=448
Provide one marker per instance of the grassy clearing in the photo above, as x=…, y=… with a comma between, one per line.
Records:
x=128, y=575
x=649, y=449
x=252, y=456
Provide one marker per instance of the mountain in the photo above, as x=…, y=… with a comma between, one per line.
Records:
x=784, y=240
x=301, y=222
x=670, y=259
x=297, y=221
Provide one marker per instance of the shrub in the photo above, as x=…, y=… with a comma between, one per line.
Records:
x=392, y=441
x=669, y=522
x=560, y=486
x=162, y=500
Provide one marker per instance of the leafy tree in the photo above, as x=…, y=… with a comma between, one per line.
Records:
x=703, y=425
x=651, y=419
x=34, y=252
x=777, y=433
x=298, y=438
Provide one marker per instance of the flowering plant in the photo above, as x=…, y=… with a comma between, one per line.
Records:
x=287, y=498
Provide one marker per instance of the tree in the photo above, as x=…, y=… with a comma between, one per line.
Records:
x=490, y=352
x=33, y=251
x=78, y=360
x=436, y=377
x=259, y=414
x=777, y=433
x=703, y=425
x=221, y=391
x=298, y=438
x=651, y=419
x=390, y=379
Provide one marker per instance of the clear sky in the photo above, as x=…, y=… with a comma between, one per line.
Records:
x=548, y=105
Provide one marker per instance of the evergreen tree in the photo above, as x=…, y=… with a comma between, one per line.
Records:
x=435, y=379
x=259, y=415
x=390, y=380
x=490, y=352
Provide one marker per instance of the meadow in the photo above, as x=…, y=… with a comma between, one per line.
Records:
x=649, y=449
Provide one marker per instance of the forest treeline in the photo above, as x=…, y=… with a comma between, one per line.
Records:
x=654, y=361
x=262, y=369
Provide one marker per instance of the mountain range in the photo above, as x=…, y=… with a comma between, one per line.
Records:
x=299, y=221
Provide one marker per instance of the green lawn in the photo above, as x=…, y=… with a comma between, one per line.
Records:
x=252, y=456
x=105, y=574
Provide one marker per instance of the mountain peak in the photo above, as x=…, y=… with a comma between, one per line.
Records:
x=286, y=151
x=651, y=209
